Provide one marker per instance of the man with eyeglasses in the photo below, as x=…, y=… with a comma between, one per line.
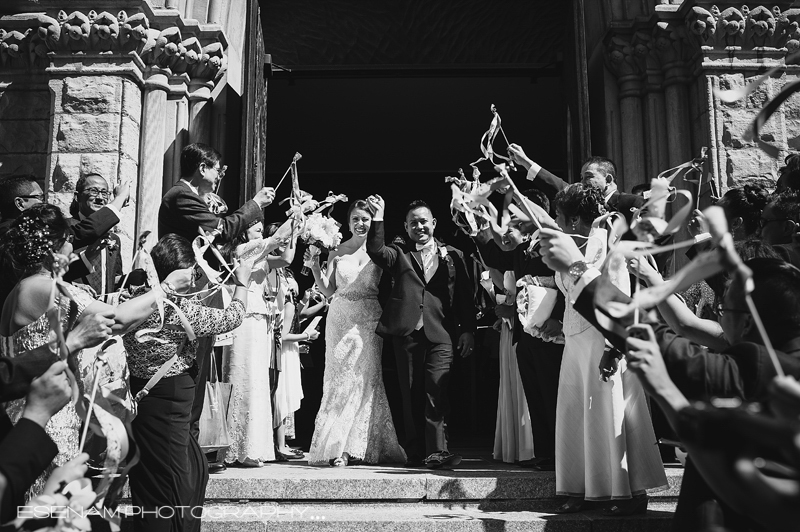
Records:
x=183, y=210
x=17, y=193
x=102, y=256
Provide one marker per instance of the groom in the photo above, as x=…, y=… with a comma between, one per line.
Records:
x=431, y=297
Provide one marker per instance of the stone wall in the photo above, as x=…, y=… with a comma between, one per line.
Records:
x=115, y=92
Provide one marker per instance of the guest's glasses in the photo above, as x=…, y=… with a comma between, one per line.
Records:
x=39, y=197
x=94, y=192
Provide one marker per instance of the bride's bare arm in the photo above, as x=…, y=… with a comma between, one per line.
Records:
x=326, y=281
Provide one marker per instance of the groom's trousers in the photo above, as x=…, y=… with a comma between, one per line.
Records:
x=539, y=365
x=423, y=368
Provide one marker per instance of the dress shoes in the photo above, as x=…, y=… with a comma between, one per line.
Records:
x=633, y=506
x=217, y=467
x=545, y=464
x=441, y=459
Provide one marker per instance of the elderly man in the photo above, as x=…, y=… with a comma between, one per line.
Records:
x=103, y=258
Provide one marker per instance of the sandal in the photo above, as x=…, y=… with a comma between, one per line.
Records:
x=573, y=505
x=339, y=462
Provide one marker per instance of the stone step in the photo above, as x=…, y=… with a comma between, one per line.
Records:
x=472, y=480
x=421, y=517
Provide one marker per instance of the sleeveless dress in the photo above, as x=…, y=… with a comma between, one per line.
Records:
x=64, y=427
x=245, y=364
x=605, y=444
x=354, y=415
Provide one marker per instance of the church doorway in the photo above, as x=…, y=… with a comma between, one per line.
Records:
x=391, y=99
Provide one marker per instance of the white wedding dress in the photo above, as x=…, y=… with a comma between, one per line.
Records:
x=354, y=416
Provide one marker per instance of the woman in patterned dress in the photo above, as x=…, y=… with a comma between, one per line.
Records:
x=172, y=473
x=40, y=232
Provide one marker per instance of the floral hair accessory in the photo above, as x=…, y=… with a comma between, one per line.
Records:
x=36, y=242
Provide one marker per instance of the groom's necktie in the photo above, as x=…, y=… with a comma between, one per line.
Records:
x=427, y=251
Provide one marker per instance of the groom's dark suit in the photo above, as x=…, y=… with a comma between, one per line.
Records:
x=424, y=355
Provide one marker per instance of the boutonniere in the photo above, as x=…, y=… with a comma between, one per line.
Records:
x=443, y=252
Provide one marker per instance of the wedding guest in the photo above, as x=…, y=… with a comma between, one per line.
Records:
x=354, y=422
x=779, y=222
x=431, y=298
x=598, y=172
x=36, y=235
x=183, y=211
x=539, y=361
x=91, y=195
x=743, y=370
x=172, y=471
x=605, y=445
x=743, y=206
x=18, y=193
x=289, y=391
x=245, y=364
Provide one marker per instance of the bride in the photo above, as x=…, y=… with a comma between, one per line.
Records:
x=354, y=423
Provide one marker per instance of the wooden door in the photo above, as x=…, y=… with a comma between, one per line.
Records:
x=254, y=108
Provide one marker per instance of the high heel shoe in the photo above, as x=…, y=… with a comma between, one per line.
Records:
x=633, y=506
x=573, y=505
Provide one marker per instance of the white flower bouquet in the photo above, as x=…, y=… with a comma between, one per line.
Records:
x=320, y=232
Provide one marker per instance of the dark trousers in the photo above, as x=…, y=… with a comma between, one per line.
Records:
x=423, y=369
x=539, y=368
x=172, y=472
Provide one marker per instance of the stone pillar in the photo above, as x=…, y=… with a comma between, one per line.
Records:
x=655, y=129
x=629, y=78
x=200, y=110
x=152, y=142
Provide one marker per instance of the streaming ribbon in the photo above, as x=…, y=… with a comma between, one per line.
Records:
x=488, y=138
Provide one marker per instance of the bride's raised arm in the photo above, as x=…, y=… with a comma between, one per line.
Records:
x=325, y=281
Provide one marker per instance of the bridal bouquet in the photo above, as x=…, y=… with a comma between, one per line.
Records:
x=320, y=232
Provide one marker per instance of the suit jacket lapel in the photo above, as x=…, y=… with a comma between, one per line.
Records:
x=417, y=263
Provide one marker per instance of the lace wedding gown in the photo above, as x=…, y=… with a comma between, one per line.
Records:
x=354, y=416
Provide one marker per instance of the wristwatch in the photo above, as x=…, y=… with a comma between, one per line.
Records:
x=577, y=269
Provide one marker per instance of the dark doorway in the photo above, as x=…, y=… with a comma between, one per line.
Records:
x=391, y=99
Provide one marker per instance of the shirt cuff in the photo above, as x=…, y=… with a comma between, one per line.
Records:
x=533, y=171
x=86, y=262
x=588, y=276
x=114, y=210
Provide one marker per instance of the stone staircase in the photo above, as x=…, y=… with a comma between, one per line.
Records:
x=477, y=495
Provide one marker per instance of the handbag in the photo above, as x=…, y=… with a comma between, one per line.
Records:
x=214, y=419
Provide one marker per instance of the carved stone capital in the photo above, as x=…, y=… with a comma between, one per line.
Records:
x=622, y=59
x=160, y=37
x=763, y=31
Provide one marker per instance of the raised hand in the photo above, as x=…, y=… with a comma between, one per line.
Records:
x=182, y=279
x=264, y=197
x=643, y=269
x=377, y=206
x=517, y=154
x=123, y=192
x=559, y=250
x=49, y=393
x=243, y=271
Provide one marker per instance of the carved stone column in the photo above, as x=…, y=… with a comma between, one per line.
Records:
x=200, y=110
x=620, y=60
x=153, y=137
x=655, y=128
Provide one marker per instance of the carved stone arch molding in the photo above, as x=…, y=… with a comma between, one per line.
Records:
x=95, y=86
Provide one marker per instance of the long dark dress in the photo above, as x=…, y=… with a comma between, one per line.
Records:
x=169, y=483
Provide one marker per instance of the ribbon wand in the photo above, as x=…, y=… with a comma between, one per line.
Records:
x=296, y=158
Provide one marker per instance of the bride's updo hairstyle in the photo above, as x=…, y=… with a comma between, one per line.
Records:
x=34, y=236
x=358, y=204
x=587, y=203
